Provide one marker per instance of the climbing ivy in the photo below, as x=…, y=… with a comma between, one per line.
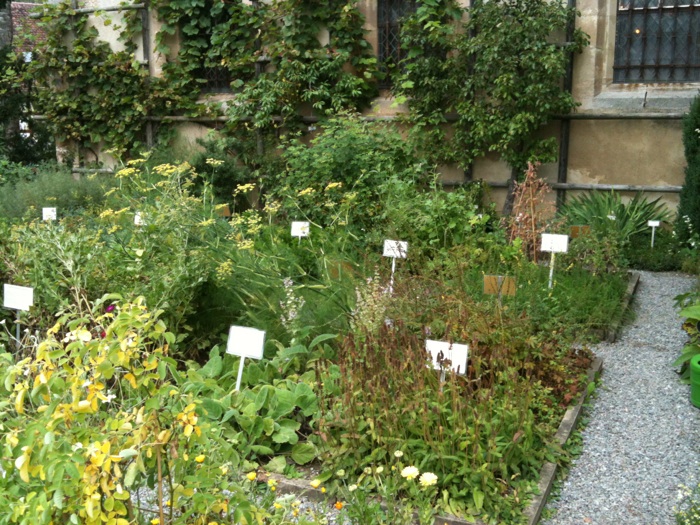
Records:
x=275, y=55
x=498, y=78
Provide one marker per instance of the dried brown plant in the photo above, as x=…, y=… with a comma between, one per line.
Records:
x=532, y=212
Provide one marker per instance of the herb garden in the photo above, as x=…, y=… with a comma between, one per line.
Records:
x=120, y=397
x=126, y=398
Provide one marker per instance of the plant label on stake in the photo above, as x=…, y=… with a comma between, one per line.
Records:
x=48, y=214
x=653, y=225
x=578, y=231
x=19, y=298
x=138, y=219
x=499, y=285
x=555, y=244
x=300, y=229
x=245, y=342
x=395, y=250
x=444, y=354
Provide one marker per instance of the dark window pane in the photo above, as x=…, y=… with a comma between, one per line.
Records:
x=657, y=41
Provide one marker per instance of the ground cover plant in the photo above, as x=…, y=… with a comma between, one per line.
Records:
x=122, y=373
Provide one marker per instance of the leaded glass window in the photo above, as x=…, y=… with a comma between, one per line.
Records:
x=657, y=41
x=389, y=16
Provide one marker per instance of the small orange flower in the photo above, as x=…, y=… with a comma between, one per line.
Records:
x=339, y=505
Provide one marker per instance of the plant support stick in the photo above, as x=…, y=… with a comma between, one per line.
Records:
x=551, y=270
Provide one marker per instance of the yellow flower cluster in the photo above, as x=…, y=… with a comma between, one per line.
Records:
x=224, y=270
x=243, y=188
x=306, y=191
x=334, y=185
x=214, y=163
x=165, y=170
x=126, y=172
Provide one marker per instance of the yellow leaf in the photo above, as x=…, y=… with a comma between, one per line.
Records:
x=188, y=430
x=131, y=379
x=19, y=401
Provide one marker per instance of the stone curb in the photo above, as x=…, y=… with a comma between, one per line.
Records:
x=612, y=332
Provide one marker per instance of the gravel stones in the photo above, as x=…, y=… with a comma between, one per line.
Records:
x=643, y=435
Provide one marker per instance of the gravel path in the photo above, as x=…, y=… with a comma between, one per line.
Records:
x=643, y=438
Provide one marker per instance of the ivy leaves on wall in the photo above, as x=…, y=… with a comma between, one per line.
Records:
x=500, y=77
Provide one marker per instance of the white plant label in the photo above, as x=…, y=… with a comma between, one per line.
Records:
x=138, y=219
x=48, y=214
x=654, y=224
x=18, y=297
x=300, y=229
x=612, y=217
x=457, y=354
x=554, y=243
x=395, y=249
x=245, y=342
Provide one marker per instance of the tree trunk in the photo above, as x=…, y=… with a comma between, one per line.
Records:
x=510, y=197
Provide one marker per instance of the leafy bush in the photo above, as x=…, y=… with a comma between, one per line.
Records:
x=349, y=155
x=688, y=219
x=28, y=189
x=608, y=215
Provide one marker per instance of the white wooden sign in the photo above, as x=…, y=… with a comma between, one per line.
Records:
x=612, y=217
x=18, y=297
x=245, y=342
x=300, y=229
x=653, y=225
x=48, y=214
x=554, y=243
x=138, y=219
x=457, y=354
x=395, y=249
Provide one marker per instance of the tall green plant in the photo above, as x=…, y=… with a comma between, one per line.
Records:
x=501, y=75
x=608, y=215
x=688, y=220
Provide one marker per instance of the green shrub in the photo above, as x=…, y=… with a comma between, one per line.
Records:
x=608, y=215
x=50, y=185
x=688, y=219
x=351, y=156
x=665, y=256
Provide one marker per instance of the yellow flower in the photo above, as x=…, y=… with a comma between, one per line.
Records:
x=410, y=472
x=306, y=191
x=316, y=483
x=155, y=521
x=252, y=475
x=323, y=490
x=200, y=458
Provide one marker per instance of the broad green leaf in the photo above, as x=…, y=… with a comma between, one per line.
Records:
x=303, y=453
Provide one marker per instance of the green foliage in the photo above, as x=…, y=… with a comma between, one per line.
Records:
x=607, y=214
x=500, y=74
x=15, y=106
x=687, y=509
x=665, y=256
x=93, y=417
x=343, y=173
x=49, y=185
x=688, y=219
x=691, y=325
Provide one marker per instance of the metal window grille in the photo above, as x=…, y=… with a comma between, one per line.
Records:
x=389, y=16
x=657, y=41
x=217, y=79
